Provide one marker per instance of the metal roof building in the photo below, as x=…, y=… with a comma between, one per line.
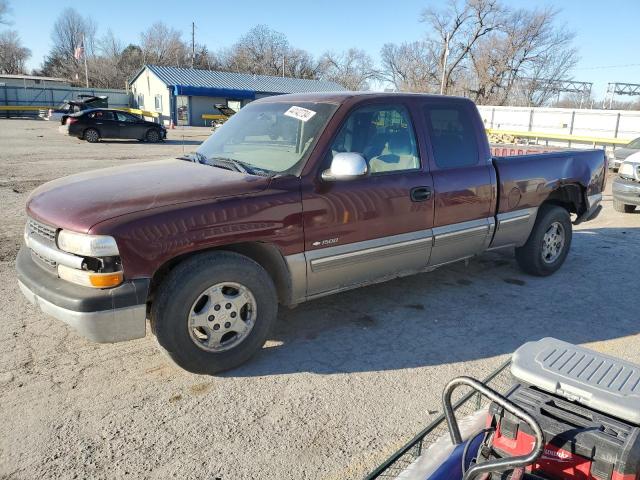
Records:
x=183, y=95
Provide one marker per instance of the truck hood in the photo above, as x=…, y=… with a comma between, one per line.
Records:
x=80, y=201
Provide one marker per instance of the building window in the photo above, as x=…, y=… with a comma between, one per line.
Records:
x=158, y=103
x=140, y=100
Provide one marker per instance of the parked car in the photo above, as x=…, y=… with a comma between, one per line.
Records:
x=95, y=124
x=294, y=197
x=621, y=153
x=626, y=186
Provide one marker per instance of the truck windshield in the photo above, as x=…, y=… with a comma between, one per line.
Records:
x=274, y=137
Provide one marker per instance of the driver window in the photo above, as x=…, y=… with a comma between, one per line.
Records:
x=383, y=135
x=123, y=117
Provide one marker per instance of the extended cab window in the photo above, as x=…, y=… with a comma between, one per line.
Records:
x=453, y=138
x=383, y=135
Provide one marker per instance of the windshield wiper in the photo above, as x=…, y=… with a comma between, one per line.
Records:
x=227, y=163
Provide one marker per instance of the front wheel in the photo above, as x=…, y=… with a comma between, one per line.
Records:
x=153, y=136
x=548, y=244
x=214, y=311
x=618, y=206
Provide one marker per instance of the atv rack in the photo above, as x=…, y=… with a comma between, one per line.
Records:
x=499, y=380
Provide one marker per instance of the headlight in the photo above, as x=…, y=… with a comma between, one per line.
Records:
x=87, y=245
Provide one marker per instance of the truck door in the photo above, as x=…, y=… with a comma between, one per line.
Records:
x=360, y=230
x=463, y=181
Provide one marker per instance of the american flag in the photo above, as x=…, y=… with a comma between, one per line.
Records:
x=78, y=53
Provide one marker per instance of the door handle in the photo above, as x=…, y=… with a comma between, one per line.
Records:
x=420, y=194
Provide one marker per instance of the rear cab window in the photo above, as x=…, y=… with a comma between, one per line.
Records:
x=452, y=136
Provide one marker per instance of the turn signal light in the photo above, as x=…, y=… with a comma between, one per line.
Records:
x=90, y=279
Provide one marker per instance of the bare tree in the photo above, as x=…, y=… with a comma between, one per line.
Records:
x=458, y=29
x=353, y=68
x=485, y=50
x=300, y=64
x=163, y=45
x=70, y=31
x=410, y=67
x=261, y=51
x=13, y=56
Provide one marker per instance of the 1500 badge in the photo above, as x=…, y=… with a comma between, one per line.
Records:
x=322, y=243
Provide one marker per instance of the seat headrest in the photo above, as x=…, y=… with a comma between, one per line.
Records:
x=400, y=144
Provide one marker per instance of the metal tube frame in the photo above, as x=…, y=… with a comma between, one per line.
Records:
x=501, y=464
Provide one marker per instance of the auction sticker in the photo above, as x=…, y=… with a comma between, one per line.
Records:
x=299, y=113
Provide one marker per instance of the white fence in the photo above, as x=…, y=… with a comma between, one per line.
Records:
x=621, y=124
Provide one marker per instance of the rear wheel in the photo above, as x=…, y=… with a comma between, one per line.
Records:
x=214, y=311
x=549, y=242
x=91, y=135
x=152, y=136
x=618, y=206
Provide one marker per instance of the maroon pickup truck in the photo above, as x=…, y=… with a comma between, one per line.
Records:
x=295, y=197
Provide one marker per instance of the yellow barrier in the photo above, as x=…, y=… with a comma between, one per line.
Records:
x=559, y=136
x=213, y=116
x=30, y=108
x=16, y=108
x=137, y=111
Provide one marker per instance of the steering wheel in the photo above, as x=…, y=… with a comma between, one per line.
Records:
x=500, y=464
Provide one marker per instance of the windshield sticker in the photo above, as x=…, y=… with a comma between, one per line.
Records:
x=299, y=113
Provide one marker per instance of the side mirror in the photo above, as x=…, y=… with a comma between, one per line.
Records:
x=346, y=166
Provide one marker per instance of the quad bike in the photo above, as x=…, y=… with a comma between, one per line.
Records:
x=566, y=412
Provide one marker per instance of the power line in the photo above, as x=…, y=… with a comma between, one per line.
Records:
x=604, y=67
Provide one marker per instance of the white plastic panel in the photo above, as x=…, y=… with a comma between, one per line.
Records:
x=596, y=380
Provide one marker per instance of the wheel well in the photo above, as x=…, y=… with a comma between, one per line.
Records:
x=570, y=197
x=266, y=255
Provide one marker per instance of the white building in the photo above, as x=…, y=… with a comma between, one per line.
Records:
x=184, y=95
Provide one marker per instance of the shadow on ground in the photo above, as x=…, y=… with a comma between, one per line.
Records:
x=147, y=144
x=460, y=313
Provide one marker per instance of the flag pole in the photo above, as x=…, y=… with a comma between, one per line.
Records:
x=84, y=54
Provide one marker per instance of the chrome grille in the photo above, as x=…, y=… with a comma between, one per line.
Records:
x=46, y=262
x=41, y=230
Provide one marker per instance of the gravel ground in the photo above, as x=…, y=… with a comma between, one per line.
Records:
x=343, y=382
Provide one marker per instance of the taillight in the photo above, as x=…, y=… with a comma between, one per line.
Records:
x=71, y=120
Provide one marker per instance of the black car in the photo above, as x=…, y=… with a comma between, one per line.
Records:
x=97, y=123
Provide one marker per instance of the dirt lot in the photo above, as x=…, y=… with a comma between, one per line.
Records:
x=343, y=382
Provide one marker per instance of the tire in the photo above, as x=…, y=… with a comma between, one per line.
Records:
x=92, y=135
x=618, y=206
x=153, y=136
x=542, y=255
x=179, y=301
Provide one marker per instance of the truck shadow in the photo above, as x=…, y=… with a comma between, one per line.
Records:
x=460, y=313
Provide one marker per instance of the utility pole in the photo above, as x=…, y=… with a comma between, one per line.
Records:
x=84, y=54
x=193, y=43
x=444, y=64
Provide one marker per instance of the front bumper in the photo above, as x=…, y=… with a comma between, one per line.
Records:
x=101, y=315
x=626, y=191
x=614, y=163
